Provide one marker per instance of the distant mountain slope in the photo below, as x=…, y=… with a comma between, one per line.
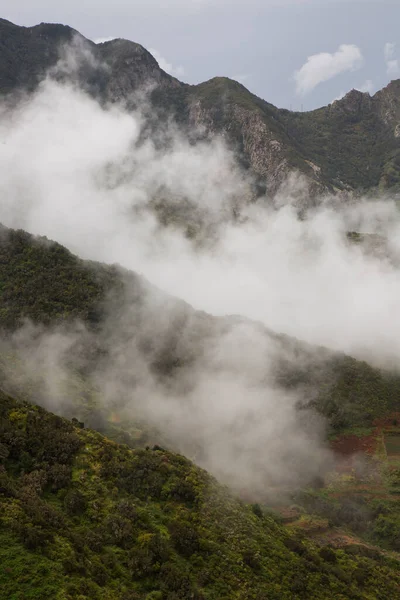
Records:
x=82, y=517
x=43, y=282
x=352, y=144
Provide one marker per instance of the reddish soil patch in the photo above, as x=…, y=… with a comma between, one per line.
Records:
x=288, y=514
x=348, y=445
x=348, y=449
x=340, y=539
x=391, y=420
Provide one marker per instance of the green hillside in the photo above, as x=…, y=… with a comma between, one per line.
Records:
x=82, y=517
x=45, y=283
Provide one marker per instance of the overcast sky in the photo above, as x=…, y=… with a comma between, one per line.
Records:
x=293, y=53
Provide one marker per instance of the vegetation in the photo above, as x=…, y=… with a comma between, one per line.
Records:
x=356, y=394
x=349, y=141
x=41, y=281
x=367, y=505
x=82, y=517
x=44, y=282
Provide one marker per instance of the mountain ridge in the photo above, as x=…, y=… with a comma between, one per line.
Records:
x=351, y=145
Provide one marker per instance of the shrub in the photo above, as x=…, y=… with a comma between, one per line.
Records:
x=74, y=502
x=184, y=537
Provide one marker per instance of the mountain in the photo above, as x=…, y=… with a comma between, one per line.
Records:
x=351, y=145
x=309, y=434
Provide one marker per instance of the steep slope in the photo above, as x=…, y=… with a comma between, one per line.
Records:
x=43, y=282
x=352, y=144
x=83, y=517
x=255, y=128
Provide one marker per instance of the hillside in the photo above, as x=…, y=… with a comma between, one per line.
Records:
x=75, y=346
x=83, y=517
x=43, y=282
x=352, y=144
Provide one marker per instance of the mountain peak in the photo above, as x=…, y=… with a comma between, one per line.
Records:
x=354, y=101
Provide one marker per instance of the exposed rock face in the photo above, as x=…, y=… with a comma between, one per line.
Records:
x=266, y=154
x=261, y=146
x=388, y=101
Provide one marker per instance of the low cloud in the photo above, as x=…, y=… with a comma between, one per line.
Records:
x=324, y=66
x=81, y=173
x=166, y=66
x=85, y=177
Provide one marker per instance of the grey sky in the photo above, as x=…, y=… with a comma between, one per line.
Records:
x=264, y=42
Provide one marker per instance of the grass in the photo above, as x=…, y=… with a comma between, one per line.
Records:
x=26, y=576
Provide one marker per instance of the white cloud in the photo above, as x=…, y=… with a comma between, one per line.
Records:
x=389, y=50
x=324, y=66
x=71, y=165
x=392, y=63
x=166, y=66
x=62, y=145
